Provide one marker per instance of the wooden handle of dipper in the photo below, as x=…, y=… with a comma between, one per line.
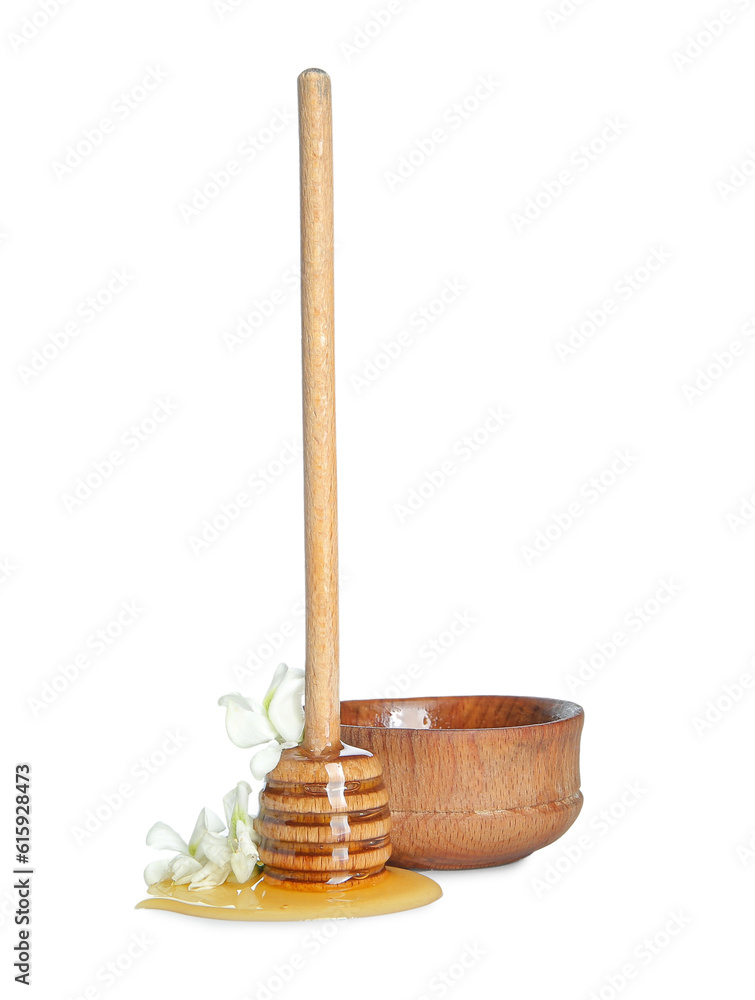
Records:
x=322, y=707
x=323, y=817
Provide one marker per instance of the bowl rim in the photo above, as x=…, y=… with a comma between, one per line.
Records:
x=575, y=711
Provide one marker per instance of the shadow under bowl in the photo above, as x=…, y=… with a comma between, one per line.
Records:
x=473, y=781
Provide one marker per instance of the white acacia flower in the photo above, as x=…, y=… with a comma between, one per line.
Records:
x=237, y=851
x=189, y=859
x=274, y=724
x=211, y=855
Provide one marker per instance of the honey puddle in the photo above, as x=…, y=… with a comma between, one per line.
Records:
x=397, y=889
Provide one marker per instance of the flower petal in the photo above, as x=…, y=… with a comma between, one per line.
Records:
x=183, y=868
x=164, y=838
x=285, y=709
x=157, y=871
x=245, y=724
x=236, y=805
x=210, y=876
x=242, y=866
x=280, y=672
x=207, y=820
x=247, y=839
x=216, y=848
x=265, y=760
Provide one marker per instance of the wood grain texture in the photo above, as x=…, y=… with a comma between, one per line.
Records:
x=472, y=781
x=322, y=726
x=323, y=820
x=323, y=817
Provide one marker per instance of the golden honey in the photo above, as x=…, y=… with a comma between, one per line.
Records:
x=259, y=899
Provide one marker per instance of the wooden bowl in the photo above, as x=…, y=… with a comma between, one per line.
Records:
x=472, y=781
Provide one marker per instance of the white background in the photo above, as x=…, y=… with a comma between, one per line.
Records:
x=684, y=127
